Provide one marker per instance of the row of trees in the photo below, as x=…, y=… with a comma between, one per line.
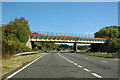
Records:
x=113, y=35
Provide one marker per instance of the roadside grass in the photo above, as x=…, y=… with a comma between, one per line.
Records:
x=102, y=54
x=17, y=61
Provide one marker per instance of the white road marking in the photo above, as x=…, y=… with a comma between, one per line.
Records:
x=104, y=61
x=86, y=70
x=75, y=63
x=114, y=59
x=10, y=76
x=94, y=74
x=69, y=60
x=86, y=58
x=79, y=66
x=72, y=62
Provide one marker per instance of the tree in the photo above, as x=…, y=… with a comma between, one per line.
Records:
x=23, y=30
x=108, y=32
x=14, y=36
x=113, y=35
x=114, y=44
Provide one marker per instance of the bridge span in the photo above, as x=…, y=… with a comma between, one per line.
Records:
x=35, y=37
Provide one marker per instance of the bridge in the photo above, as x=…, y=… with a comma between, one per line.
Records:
x=66, y=38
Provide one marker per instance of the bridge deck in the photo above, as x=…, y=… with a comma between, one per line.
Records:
x=60, y=38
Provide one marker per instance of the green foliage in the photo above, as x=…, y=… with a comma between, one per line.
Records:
x=83, y=47
x=114, y=44
x=14, y=36
x=108, y=32
x=36, y=49
x=45, y=46
x=22, y=29
x=113, y=35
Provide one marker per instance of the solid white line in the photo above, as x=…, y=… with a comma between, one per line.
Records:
x=94, y=74
x=10, y=76
x=114, y=59
x=104, y=61
x=86, y=70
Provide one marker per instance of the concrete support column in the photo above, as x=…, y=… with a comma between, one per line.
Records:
x=75, y=46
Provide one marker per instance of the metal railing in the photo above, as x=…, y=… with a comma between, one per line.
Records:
x=64, y=34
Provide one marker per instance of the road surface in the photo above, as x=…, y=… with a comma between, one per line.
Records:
x=69, y=65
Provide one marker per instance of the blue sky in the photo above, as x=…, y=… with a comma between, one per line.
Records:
x=65, y=17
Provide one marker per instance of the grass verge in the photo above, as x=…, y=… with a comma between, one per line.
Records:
x=17, y=61
x=102, y=54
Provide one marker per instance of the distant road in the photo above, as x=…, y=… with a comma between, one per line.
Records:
x=70, y=65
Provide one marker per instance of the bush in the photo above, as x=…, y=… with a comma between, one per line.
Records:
x=36, y=49
x=40, y=51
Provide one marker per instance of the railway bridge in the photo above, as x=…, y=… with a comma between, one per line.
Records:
x=64, y=38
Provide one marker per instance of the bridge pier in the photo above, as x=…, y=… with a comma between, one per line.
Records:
x=75, y=46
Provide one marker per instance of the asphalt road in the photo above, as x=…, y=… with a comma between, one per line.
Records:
x=70, y=65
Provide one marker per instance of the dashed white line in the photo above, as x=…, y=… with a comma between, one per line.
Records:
x=75, y=63
x=98, y=76
x=69, y=60
x=72, y=62
x=86, y=70
x=10, y=76
x=79, y=66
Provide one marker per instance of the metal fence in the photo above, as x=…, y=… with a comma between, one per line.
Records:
x=64, y=34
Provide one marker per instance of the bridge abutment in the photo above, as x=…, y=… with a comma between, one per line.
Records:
x=30, y=44
x=75, y=46
x=95, y=47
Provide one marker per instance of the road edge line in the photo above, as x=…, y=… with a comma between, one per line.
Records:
x=16, y=72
